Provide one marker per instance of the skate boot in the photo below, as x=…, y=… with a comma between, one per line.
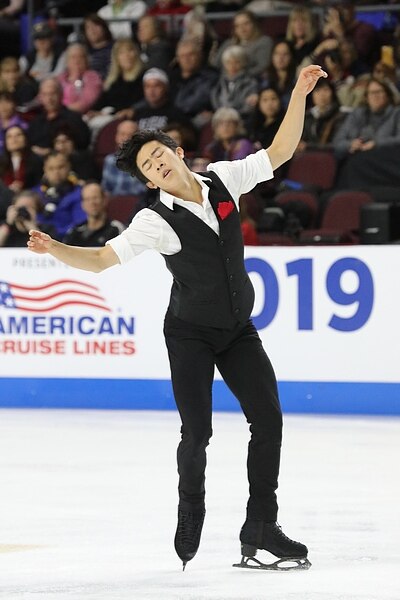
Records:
x=268, y=535
x=188, y=533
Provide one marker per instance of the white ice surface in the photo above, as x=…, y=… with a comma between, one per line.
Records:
x=88, y=508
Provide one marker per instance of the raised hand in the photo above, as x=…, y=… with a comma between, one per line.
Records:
x=307, y=79
x=39, y=242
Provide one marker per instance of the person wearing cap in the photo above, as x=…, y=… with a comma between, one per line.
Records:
x=46, y=57
x=156, y=110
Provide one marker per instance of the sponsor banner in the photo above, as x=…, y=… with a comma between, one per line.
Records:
x=324, y=315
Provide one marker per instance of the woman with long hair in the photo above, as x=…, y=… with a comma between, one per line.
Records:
x=81, y=85
x=99, y=42
x=123, y=84
x=248, y=34
x=19, y=167
x=302, y=32
x=281, y=73
x=266, y=117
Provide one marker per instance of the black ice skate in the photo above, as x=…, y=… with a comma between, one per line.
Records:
x=268, y=535
x=188, y=532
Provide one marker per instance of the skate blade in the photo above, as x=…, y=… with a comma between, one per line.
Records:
x=282, y=564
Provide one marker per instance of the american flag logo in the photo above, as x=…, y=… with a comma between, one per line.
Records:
x=49, y=297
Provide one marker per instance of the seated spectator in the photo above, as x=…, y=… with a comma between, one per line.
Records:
x=60, y=195
x=122, y=87
x=302, y=32
x=52, y=116
x=97, y=229
x=20, y=168
x=235, y=87
x=127, y=11
x=157, y=110
x=181, y=134
x=82, y=161
x=114, y=181
x=265, y=119
x=46, y=57
x=247, y=33
x=281, y=73
x=374, y=125
x=323, y=119
x=99, y=42
x=8, y=116
x=196, y=26
x=155, y=48
x=341, y=22
x=23, y=88
x=81, y=86
x=21, y=216
x=229, y=142
x=191, y=83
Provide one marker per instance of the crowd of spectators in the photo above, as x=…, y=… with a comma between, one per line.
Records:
x=221, y=94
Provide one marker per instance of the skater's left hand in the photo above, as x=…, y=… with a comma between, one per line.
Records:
x=307, y=79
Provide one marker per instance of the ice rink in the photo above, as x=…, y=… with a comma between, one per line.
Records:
x=88, y=508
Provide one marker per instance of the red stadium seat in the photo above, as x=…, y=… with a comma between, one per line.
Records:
x=122, y=208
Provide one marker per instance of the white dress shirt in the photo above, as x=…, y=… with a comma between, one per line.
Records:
x=148, y=230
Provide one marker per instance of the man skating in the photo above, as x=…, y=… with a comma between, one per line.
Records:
x=195, y=226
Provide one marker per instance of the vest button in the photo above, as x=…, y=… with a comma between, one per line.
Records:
x=230, y=277
x=234, y=293
x=221, y=243
x=237, y=310
x=228, y=259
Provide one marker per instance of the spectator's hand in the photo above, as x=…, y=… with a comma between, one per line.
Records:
x=16, y=186
x=11, y=215
x=125, y=113
x=252, y=100
x=356, y=145
x=368, y=145
x=307, y=79
x=326, y=46
x=39, y=242
x=301, y=147
x=40, y=151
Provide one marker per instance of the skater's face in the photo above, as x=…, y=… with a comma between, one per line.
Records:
x=162, y=166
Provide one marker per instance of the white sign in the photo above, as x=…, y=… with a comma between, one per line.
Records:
x=324, y=314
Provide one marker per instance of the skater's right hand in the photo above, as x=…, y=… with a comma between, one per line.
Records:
x=39, y=242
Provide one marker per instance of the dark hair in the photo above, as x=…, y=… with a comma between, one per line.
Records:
x=126, y=155
x=97, y=20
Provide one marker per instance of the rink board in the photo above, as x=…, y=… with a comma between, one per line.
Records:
x=328, y=318
x=295, y=396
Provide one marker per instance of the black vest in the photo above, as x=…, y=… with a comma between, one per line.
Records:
x=211, y=286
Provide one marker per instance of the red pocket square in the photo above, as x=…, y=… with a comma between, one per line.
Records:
x=224, y=209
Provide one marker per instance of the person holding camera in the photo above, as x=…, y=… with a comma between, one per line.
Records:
x=21, y=216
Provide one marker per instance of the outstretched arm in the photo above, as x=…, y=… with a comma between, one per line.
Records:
x=289, y=133
x=88, y=259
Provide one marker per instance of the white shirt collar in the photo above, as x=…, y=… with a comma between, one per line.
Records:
x=168, y=199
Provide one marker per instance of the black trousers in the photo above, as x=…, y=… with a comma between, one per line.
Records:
x=245, y=367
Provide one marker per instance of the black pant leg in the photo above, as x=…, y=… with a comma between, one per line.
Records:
x=192, y=371
x=247, y=370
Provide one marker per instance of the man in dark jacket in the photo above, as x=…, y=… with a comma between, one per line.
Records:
x=52, y=117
